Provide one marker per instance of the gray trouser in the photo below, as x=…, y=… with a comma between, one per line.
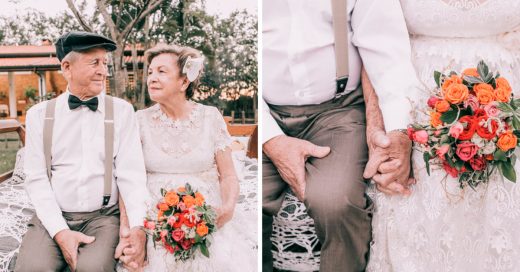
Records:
x=335, y=188
x=39, y=252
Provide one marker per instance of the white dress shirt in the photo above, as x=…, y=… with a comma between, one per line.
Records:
x=78, y=154
x=299, y=68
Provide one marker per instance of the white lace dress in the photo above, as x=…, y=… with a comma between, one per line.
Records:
x=440, y=227
x=177, y=152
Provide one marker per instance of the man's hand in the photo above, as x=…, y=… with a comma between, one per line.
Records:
x=389, y=161
x=69, y=241
x=131, y=248
x=288, y=155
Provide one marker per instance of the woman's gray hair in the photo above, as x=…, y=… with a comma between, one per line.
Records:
x=182, y=52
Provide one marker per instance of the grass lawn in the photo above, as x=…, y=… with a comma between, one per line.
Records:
x=9, y=145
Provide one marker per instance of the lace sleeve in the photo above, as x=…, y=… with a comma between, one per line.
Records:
x=222, y=137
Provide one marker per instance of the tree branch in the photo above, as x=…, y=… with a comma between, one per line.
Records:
x=152, y=5
x=108, y=20
x=78, y=16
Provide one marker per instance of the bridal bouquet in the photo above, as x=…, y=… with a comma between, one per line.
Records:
x=474, y=126
x=183, y=223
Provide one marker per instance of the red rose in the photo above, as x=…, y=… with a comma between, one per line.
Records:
x=484, y=131
x=177, y=235
x=186, y=244
x=169, y=248
x=179, y=221
x=480, y=113
x=452, y=171
x=469, y=130
x=410, y=132
x=466, y=150
x=478, y=163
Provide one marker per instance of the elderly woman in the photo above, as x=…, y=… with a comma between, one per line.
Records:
x=186, y=142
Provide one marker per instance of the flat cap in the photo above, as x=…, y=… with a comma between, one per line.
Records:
x=80, y=41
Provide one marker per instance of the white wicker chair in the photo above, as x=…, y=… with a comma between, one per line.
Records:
x=296, y=245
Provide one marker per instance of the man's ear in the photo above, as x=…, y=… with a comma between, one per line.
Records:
x=65, y=68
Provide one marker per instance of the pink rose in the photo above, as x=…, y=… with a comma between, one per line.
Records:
x=432, y=101
x=466, y=150
x=410, y=132
x=472, y=102
x=164, y=233
x=491, y=109
x=171, y=221
x=149, y=225
x=437, y=132
x=477, y=163
x=456, y=130
x=177, y=235
x=420, y=136
x=442, y=151
x=181, y=206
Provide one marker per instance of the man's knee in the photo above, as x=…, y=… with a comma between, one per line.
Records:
x=339, y=202
x=103, y=262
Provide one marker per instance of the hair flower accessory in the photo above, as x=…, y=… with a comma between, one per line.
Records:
x=192, y=67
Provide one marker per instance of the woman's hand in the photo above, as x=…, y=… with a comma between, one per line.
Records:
x=224, y=215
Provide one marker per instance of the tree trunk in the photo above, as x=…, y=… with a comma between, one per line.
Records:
x=119, y=71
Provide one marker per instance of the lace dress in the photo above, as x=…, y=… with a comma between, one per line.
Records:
x=441, y=227
x=177, y=152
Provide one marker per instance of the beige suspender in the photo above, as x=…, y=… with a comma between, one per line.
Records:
x=340, y=23
x=109, y=147
x=48, y=126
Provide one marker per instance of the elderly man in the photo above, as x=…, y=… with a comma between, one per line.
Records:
x=316, y=136
x=83, y=149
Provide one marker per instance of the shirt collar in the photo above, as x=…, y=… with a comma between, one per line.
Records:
x=100, y=96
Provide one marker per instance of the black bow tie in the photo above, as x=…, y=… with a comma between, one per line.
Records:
x=75, y=102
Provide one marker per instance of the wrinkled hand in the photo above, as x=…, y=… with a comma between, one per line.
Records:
x=131, y=248
x=389, y=161
x=288, y=155
x=224, y=215
x=69, y=241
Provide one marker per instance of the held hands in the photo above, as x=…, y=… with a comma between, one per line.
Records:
x=389, y=161
x=69, y=241
x=288, y=155
x=131, y=248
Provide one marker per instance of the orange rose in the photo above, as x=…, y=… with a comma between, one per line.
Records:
x=435, y=120
x=456, y=93
x=181, y=189
x=449, y=81
x=202, y=229
x=442, y=106
x=503, y=94
x=160, y=214
x=171, y=198
x=163, y=206
x=482, y=86
x=507, y=141
x=489, y=157
x=503, y=83
x=471, y=72
x=188, y=200
x=484, y=94
x=199, y=199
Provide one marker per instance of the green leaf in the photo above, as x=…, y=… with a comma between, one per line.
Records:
x=482, y=69
x=499, y=155
x=449, y=116
x=505, y=107
x=516, y=133
x=437, y=77
x=163, y=192
x=204, y=250
x=472, y=79
x=508, y=171
x=426, y=157
x=516, y=123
